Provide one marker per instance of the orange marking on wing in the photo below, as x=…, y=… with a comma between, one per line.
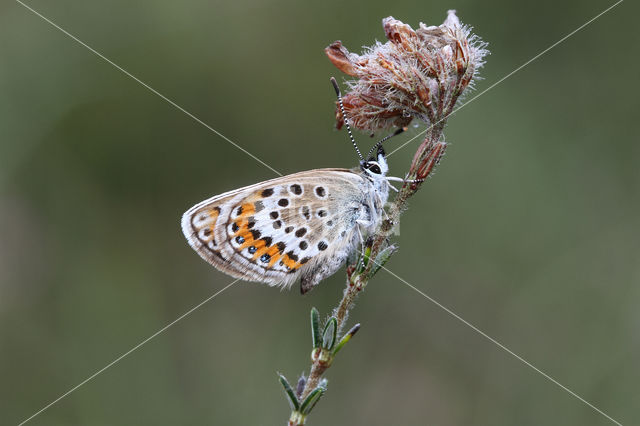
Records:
x=248, y=209
x=289, y=263
x=257, y=244
x=212, y=229
x=246, y=234
x=274, y=252
x=261, y=250
x=242, y=225
x=274, y=258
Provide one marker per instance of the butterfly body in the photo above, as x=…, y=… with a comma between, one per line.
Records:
x=301, y=226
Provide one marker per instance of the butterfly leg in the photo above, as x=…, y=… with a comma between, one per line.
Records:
x=361, y=238
x=365, y=223
x=393, y=187
x=382, y=203
x=397, y=179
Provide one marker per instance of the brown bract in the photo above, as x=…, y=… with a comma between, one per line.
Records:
x=416, y=74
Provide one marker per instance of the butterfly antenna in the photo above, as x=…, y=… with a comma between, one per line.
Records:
x=344, y=117
x=375, y=147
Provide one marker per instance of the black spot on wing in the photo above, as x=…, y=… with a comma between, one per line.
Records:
x=306, y=212
x=296, y=189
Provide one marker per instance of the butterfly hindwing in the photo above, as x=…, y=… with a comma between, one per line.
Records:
x=278, y=230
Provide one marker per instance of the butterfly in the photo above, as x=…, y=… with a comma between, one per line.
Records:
x=300, y=226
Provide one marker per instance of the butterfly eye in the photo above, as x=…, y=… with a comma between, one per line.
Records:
x=374, y=168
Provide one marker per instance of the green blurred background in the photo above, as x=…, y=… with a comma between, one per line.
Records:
x=529, y=229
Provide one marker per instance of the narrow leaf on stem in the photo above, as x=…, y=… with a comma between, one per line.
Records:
x=291, y=395
x=346, y=338
x=315, y=327
x=329, y=334
x=312, y=399
x=381, y=259
x=365, y=258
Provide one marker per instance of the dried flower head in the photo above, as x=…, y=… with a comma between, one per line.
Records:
x=416, y=74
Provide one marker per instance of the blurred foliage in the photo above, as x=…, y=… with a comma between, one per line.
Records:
x=529, y=229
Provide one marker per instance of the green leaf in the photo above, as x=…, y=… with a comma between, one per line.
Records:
x=346, y=338
x=312, y=399
x=291, y=395
x=315, y=327
x=364, y=260
x=329, y=333
x=381, y=259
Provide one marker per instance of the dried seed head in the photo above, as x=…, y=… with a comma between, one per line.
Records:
x=416, y=74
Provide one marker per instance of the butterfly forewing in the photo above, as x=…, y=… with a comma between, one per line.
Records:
x=276, y=230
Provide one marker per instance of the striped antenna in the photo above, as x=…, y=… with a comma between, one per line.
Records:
x=344, y=117
x=375, y=147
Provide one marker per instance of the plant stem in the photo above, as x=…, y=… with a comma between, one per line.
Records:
x=356, y=282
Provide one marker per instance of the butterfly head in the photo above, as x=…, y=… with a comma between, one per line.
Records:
x=375, y=166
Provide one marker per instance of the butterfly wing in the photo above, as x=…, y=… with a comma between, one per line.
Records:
x=279, y=230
